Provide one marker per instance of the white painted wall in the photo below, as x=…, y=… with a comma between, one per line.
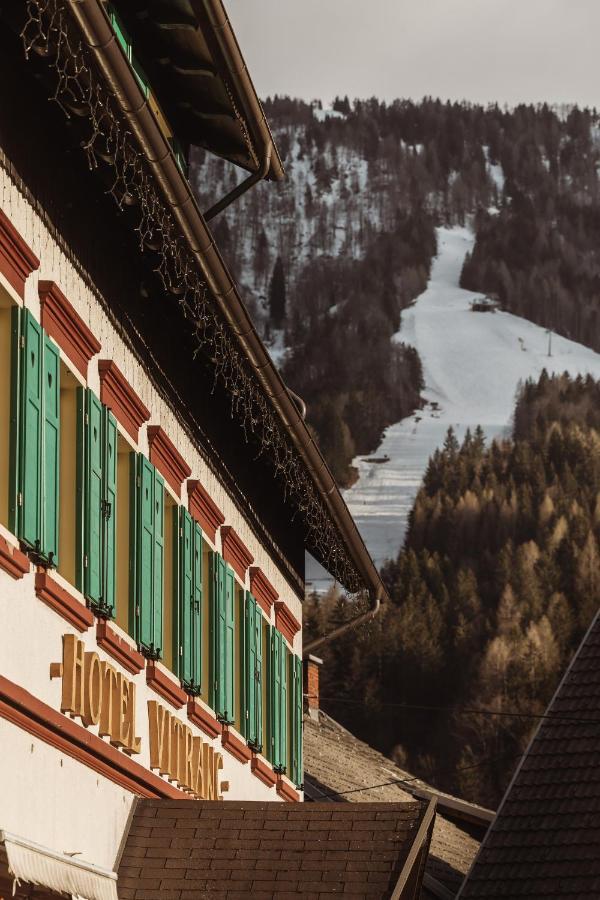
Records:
x=45, y=795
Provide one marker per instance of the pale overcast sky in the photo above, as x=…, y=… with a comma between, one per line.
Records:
x=480, y=50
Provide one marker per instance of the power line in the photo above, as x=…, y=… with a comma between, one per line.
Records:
x=465, y=710
x=413, y=778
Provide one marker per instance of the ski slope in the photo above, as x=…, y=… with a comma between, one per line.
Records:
x=472, y=365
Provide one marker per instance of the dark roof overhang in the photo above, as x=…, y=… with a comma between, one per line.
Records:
x=333, y=537
x=193, y=60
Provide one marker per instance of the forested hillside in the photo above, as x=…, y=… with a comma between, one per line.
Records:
x=329, y=258
x=496, y=584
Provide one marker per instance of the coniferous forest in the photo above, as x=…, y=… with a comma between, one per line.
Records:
x=495, y=586
x=500, y=572
x=332, y=255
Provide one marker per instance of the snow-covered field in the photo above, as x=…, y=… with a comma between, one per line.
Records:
x=472, y=365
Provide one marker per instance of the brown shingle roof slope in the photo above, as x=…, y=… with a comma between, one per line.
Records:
x=545, y=841
x=336, y=761
x=183, y=850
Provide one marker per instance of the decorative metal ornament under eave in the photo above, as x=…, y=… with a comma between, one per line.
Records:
x=51, y=32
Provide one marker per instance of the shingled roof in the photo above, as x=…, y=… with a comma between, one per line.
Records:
x=183, y=850
x=336, y=762
x=545, y=841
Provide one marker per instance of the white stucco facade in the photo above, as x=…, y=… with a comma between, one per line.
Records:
x=47, y=793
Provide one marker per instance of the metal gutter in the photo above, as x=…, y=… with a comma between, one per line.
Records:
x=214, y=12
x=348, y=626
x=99, y=36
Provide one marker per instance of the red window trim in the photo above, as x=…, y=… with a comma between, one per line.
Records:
x=167, y=458
x=160, y=682
x=118, y=648
x=288, y=793
x=17, y=259
x=263, y=770
x=235, y=746
x=119, y=396
x=62, y=602
x=235, y=551
x=262, y=590
x=204, y=509
x=66, y=326
x=13, y=560
x=285, y=621
x=203, y=719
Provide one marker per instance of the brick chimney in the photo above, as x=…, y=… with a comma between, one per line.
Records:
x=311, y=684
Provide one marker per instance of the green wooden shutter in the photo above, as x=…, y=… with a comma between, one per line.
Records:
x=218, y=634
x=15, y=487
x=258, y=679
x=158, y=562
x=110, y=510
x=229, y=645
x=145, y=552
x=297, y=712
x=93, y=453
x=50, y=451
x=249, y=710
x=283, y=706
x=29, y=521
x=197, y=609
x=185, y=605
x=275, y=698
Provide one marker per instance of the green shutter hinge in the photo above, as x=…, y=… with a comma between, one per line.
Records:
x=85, y=561
x=106, y=507
x=20, y=499
x=22, y=342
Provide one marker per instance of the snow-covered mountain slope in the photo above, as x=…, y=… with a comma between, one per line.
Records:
x=472, y=363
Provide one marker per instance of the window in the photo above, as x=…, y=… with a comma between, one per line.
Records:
x=222, y=629
x=252, y=680
x=5, y=393
x=278, y=705
x=125, y=561
x=296, y=713
x=35, y=438
x=97, y=495
x=188, y=605
x=69, y=518
x=147, y=517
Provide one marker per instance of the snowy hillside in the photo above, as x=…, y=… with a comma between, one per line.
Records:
x=472, y=363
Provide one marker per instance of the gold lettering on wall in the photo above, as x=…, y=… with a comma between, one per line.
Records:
x=183, y=757
x=98, y=694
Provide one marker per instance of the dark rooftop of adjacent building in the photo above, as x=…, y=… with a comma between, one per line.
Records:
x=190, y=848
x=545, y=841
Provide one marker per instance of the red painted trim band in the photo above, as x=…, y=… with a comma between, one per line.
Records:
x=32, y=715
